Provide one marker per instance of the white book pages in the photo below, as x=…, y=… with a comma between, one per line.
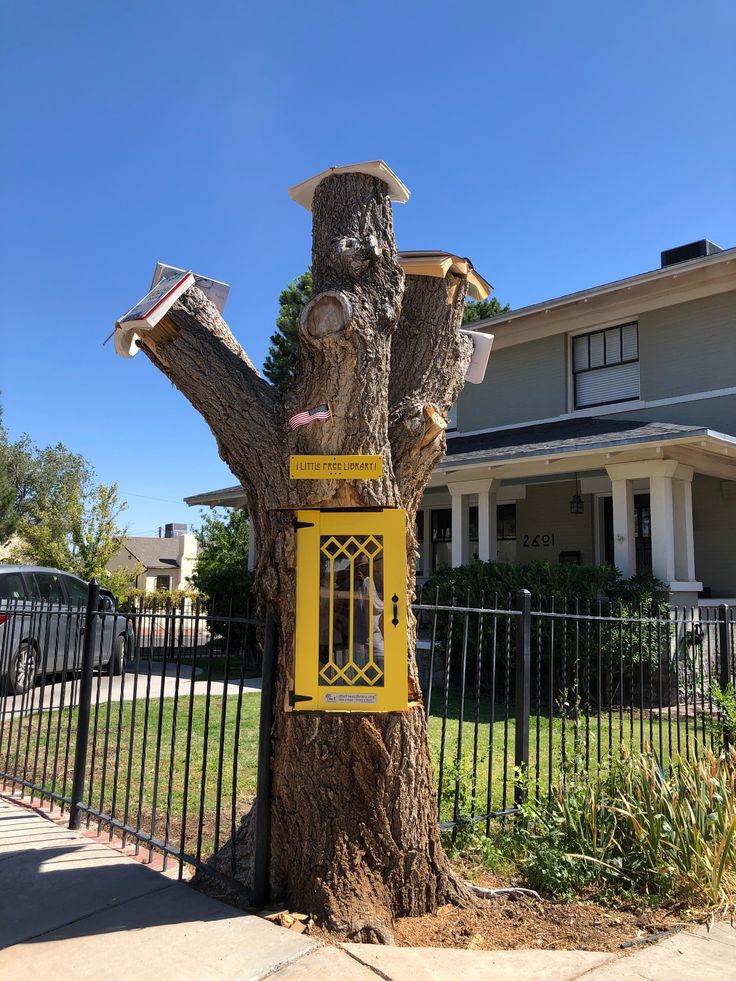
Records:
x=482, y=344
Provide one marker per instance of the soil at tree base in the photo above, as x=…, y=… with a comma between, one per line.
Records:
x=522, y=922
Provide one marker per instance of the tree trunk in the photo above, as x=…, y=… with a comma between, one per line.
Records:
x=355, y=837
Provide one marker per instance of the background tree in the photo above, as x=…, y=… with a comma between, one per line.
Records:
x=222, y=561
x=62, y=517
x=283, y=349
x=355, y=838
x=482, y=309
x=8, y=511
x=75, y=526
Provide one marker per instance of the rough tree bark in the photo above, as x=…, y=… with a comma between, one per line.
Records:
x=355, y=839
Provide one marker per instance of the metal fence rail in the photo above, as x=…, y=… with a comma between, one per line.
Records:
x=165, y=753
x=520, y=693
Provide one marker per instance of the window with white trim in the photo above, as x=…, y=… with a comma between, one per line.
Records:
x=605, y=366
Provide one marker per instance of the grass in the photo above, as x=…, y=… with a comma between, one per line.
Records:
x=167, y=803
x=589, y=743
x=170, y=801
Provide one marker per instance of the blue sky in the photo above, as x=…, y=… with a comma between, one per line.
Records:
x=558, y=145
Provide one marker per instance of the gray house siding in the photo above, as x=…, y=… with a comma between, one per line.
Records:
x=687, y=348
x=524, y=382
x=718, y=414
x=546, y=511
x=714, y=530
x=683, y=349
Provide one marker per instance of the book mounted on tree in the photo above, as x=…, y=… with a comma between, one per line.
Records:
x=146, y=313
x=168, y=284
x=439, y=264
x=303, y=193
x=482, y=344
x=213, y=289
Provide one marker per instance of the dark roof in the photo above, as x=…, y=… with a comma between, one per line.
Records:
x=154, y=553
x=561, y=437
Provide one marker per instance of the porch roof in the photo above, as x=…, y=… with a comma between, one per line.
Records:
x=586, y=444
x=566, y=436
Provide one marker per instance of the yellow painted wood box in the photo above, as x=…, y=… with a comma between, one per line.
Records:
x=351, y=650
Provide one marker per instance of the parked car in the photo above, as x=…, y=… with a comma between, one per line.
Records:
x=42, y=623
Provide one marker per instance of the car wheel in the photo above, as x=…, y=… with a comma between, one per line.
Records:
x=117, y=658
x=23, y=669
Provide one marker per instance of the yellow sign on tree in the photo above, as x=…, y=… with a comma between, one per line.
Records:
x=335, y=467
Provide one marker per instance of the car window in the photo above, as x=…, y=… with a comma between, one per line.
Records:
x=11, y=586
x=77, y=591
x=48, y=587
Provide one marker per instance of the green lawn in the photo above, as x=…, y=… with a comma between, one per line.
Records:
x=137, y=739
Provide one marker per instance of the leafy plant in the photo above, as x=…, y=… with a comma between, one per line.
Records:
x=664, y=834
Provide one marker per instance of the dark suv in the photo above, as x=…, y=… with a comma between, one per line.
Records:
x=42, y=623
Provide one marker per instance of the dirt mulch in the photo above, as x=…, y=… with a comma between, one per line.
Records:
x=524, y=922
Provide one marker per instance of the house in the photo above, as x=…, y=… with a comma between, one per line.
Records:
x=168, y=562
x=604, y=431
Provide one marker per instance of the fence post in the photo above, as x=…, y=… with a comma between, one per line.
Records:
x=85, y=699
x=262, y=832
x=724, y=666
x=523, y=685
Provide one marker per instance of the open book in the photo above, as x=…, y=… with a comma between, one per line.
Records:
x=213, y=289
x=167, y=285
x=146, y=313
x=439, y=264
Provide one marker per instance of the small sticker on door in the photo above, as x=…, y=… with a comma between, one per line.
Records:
x=350, y=699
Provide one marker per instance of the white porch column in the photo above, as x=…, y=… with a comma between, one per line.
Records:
x=670, y=494
x=682, y=500
x=251, y=546
x=624, y=534
x=486, y=490
x=663, y=527
x=457, y=525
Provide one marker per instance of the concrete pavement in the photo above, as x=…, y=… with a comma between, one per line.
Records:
x=71, y=905
x=59, y=692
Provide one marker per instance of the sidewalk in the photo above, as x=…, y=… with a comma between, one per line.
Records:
x=70, y=904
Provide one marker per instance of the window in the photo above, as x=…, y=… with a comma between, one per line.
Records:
x=11, y=586
x=441, y=525
x=420, y=542
x=47, y=587
x=473, y=524
x=76, y=591
x=506, y=522
x=605, y=366
x=163, y=582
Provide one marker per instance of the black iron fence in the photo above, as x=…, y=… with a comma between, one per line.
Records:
x=143, y=723
x=520, y=691
x=146, y=724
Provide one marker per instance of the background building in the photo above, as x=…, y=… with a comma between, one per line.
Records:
x=168, y=561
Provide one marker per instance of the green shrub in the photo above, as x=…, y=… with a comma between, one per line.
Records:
x=140, y=599
x=667, y=835
x=587, y=658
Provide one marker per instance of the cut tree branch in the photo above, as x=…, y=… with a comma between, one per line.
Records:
x=429, y=357
x=194, y=347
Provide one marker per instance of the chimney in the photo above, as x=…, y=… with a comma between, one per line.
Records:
x=693, y=250
x=174, y=530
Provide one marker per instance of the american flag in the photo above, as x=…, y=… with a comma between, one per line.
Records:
x=320, y=412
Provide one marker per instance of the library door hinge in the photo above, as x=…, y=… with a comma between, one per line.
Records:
x=296, y=525
x=294, y=698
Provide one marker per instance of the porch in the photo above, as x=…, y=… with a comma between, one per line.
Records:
x=638, y=495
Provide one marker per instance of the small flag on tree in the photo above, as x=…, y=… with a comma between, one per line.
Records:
x=320, y=412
